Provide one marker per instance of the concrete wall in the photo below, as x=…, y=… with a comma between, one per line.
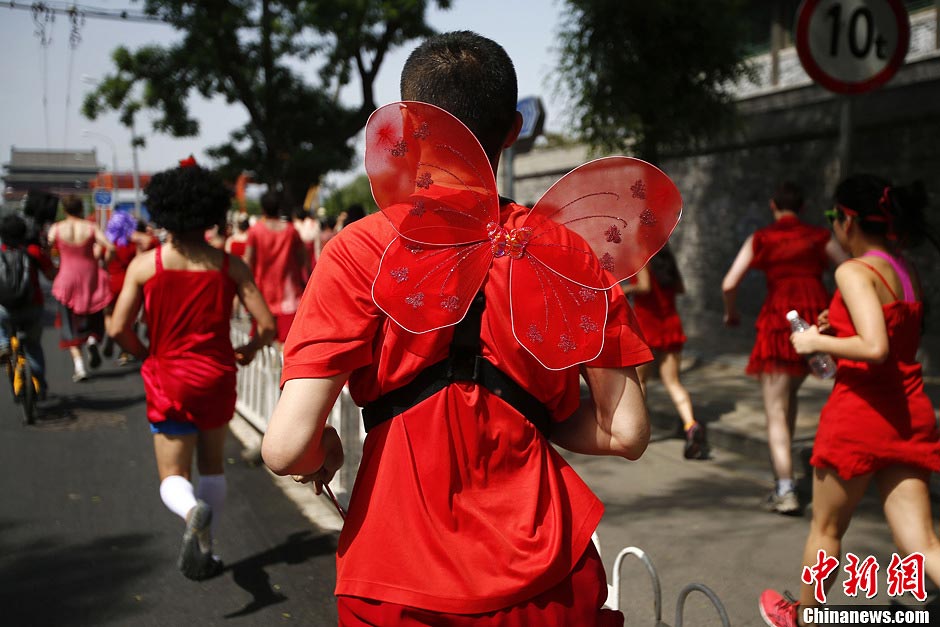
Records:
x=789, y=132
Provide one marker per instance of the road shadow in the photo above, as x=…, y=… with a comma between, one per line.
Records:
x=250, y=574
x=48, y=581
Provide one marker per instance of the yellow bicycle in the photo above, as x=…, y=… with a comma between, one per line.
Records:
x=23, y=383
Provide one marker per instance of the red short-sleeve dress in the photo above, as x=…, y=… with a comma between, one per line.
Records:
x=189, y=375
x=658, y=318
x=793, y=257
x=878, y=415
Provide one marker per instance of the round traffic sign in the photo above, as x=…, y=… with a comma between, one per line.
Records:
x=102, y=196
x=852, y=46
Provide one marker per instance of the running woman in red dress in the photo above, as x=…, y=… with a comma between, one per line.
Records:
x=793, y=256
x=654, y=290
x=463, y=513
x=186, y=288
x=278, y=261
x=120, y=231
x=878, y=424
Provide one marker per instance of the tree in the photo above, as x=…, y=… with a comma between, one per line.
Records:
x=252, y=52
x=358, y=190
x=646, y=76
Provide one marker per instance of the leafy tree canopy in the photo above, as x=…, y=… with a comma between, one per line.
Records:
x=358, y=190
x=283, y=61
x=646, y=76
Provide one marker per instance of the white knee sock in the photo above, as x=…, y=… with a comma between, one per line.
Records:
x=177, y=494
x=212, y=490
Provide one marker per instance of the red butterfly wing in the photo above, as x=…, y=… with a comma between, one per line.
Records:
x=560, y=322
x=429, y=174
x=623, y=210
x=424, y=288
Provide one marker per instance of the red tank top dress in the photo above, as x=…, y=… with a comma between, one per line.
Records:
x=793, y=257
x=238, y=248
x=658, y=319
x=189, y=375
x=878, y=414
x=117, y=267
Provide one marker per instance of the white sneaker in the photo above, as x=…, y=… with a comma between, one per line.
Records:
x=80, y=375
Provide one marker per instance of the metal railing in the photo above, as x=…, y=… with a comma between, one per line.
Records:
x=258, y=389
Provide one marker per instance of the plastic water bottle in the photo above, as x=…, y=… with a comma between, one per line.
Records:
x=822, y=365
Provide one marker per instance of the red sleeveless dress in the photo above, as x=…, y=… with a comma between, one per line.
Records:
x=189, y=375
x=878, y=414
x=658, y=319
x=793, y=256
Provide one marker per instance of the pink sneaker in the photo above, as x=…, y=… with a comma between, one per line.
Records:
x=777, y=610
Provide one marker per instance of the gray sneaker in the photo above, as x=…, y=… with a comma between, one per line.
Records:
x=195, y=560
x=787, y=504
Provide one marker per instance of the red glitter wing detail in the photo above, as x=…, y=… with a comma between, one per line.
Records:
x=560, y=322
x=423, y=287
x=610, y=222
x=420, y=156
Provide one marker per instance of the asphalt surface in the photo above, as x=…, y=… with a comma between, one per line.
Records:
x=85, y=539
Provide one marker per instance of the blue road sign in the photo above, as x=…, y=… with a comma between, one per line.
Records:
x=533, y=115
x=102, y=196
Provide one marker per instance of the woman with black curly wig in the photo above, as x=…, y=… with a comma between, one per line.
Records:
x=878, y=425
x=187, y=287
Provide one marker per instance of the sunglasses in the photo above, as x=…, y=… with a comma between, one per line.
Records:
x=831, y=214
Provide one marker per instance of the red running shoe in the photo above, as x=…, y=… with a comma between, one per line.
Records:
x=778, y=610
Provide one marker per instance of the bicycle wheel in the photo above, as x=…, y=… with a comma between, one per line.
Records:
x=29, y=391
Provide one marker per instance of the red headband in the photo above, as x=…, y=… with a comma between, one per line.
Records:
x=886, y=217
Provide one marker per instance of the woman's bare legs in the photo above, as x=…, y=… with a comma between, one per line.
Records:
x=669, y=373
x=834, y=502
x=906, y=498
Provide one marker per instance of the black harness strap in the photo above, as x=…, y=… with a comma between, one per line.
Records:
x=463, y=363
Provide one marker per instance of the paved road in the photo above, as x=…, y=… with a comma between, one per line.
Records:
x=85, y=539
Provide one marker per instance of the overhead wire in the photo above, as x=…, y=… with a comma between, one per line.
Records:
x=61, y=8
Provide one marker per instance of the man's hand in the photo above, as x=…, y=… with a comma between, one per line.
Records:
x=822, y=322
x=333, y=461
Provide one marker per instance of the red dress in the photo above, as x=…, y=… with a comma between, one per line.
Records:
x=658, y=319
x=189, y=375
x=793, y=256
x=460, y=505
x=117, y=267
x=275, y=268
x=878, y=415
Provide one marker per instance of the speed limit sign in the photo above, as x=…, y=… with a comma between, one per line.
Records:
x=852, y=46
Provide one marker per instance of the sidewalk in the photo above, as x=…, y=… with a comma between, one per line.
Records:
x=731, y=404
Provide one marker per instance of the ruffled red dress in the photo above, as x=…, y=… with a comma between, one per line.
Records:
x=878, y=414
x=658, y=319
x=189, y=375
x=793, y=256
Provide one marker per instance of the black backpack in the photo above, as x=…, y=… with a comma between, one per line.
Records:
x=16, y=290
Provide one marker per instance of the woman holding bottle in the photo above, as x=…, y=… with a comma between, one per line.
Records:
x=878, y=424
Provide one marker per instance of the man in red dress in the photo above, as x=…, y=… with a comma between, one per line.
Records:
x=277, y=259
x=463, y=512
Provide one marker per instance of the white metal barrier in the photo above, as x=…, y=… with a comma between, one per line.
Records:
x=258, y=389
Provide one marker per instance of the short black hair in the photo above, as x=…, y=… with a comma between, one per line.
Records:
x=74, y=206
x=186, y=199
x=13, y=230
x=789, y=197
x=469, y=76
x=271, y=204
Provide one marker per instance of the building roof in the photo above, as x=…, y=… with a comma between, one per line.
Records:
x=34, y=160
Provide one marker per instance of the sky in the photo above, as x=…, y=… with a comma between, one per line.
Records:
x=527, y=29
